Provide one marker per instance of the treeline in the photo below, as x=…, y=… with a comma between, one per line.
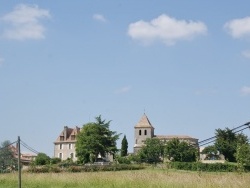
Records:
x=96, y=139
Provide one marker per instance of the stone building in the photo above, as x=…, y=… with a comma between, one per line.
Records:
x=144, y=129
x=64, y=146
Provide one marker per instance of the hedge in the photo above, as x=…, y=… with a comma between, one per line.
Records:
x=212, y=167
x=83, y=168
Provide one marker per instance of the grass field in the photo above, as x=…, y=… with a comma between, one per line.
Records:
x=128, y=179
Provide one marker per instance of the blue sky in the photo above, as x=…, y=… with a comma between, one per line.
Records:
x=62, y=63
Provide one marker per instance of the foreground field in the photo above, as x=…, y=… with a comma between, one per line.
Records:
x=142, y=178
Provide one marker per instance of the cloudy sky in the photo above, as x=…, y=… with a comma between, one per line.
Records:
x=62, y=63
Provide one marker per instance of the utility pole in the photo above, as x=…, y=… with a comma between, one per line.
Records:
x=19, y=162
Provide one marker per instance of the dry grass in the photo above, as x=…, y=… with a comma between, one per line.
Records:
x=143, y=178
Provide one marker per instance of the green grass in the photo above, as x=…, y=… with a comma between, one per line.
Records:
x=129, y=179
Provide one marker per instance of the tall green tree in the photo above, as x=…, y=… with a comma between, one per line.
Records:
x=95, y=138
x=124, y=147
x=226, y=142
x=8, y=158
x=152, y=151
x=176, y=150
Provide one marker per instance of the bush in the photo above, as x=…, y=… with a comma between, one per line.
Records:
x=42, y=159
x=197, y=166
x=38, y=169
x=85, y=168
x=74, y=169
x=55, y=169
x=55, y=160
x=123, y=160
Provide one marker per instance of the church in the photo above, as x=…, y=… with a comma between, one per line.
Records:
x=144, y=129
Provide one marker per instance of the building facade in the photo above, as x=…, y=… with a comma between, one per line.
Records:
x=64, y=146
x=144, y=129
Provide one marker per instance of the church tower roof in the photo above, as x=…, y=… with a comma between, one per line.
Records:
x=144, y=122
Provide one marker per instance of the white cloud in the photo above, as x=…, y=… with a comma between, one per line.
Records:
x=99, y=17
x=246, y=54
x=165, y=29
x=24, y=22
x=245, y=90
x=125, y=89
x=238, y=28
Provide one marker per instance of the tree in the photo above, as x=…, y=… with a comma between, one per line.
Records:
x=152, y=151
x=226, y=142
x=124, y=147
x=211, y=152
x=8, y=159
x=42, y=159
x=176, y=150
x=95, y=138
x=242, y=155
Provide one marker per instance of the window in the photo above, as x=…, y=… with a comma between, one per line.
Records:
x=139, y=132
x=70, y=146
x=60, y=146
x=60, y=155
x=61, y=138
x=145, y=132
x=73, y=137
x=72, y=155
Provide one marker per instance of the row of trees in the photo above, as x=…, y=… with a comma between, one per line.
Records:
x=234, y=146
x=174, y=150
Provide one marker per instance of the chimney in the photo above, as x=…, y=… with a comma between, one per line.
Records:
x=65, y=132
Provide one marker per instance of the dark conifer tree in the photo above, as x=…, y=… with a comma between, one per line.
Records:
x=124, y=147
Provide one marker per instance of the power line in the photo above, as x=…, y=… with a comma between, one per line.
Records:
x=234, y=130
x=7, y=145
x=29, y=148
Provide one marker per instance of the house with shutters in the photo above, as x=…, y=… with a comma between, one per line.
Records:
x=64, y=146
x=144, y=129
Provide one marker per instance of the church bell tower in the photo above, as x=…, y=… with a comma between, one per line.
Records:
x=143, y=130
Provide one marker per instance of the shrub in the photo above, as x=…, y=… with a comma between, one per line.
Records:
x=55, y=160
x=197, y=166
x=85, y=168
x=42, y=159
x=55, y=169
x=123, y=160
x=38, y=169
